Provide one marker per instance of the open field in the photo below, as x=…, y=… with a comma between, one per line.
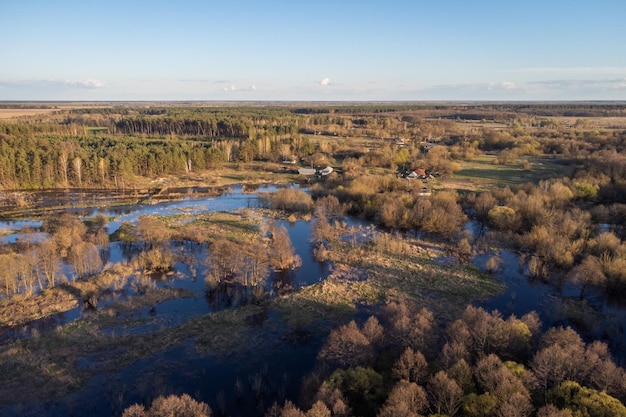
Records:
x=15, y=113
x=482, y=173
x=592, y=123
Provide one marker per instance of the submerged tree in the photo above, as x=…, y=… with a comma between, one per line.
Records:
x=282, y=254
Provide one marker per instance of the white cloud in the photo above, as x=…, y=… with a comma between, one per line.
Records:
x=234, y=89
x=325, y=82
x=90, y=83
x=507, y=85
x=572, y=70
x=54, y=83
x=581, y=83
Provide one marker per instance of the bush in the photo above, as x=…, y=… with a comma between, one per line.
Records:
x=157, y=259
x=586, y=401
x=288, y=199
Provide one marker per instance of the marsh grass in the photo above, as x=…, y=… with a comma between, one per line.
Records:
x=403, y=267
x=328, y=301
x=55, y=362
x=237, y=226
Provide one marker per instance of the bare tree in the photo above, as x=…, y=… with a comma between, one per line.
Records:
x=560, y=358
x=334, y=400
x=551, y=410
x=588, y=272
x=373, y=331
x=63, y=165
x=445, y=394
x=8, y=278
x=347, y=347
x=85, y=258
x=319, y=409
x=282, y=254
x=515, y=405
x=290, y=410
x=173, y=405
x=416, y=330
x=451, y=353
x=411, y=366
x=48, y=263
x=406, y=399
x=151, y=230
x=77, y=164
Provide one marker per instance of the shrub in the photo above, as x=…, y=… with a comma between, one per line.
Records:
x=157, y=259
x=586, y=401
x=288, y=199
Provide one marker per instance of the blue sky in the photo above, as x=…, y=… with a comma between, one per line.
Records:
x=313, y=50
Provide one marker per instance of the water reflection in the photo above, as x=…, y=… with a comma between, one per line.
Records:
x=187, y=274
x=557, y=305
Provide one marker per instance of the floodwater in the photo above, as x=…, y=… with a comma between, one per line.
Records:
x=594, y=317
x=229, y=384
x=245, y=384
x=187, y=275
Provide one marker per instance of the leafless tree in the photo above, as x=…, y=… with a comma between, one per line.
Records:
x=373, y=331
x=516, y=405
x=347, y=347
x=445, y=394
x=551, y=410
x=406, y=399
x=451, y=353
x=151, y=230
x=411, y=366
x=77, y=164
x=588, y=272
x=85, y=258
x=282, y=254
x=319, y=409
x=48, y=263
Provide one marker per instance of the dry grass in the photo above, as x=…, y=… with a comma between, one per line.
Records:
x=401, y=267
x=21, y=310
x=15, y=113
x=61, y=362
x=223, y=332
x=332, y=299
x=592, y=123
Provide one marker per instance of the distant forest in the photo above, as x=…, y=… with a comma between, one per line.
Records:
x=107, y=147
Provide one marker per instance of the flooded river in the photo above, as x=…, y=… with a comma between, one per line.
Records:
x=228, y=383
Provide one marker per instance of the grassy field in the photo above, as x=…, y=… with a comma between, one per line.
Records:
x=483, y=173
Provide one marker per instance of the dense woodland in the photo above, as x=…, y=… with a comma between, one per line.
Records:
x=402, y=361
x=108, y=147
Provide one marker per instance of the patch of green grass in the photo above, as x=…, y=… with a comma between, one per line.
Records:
x=482, y=172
